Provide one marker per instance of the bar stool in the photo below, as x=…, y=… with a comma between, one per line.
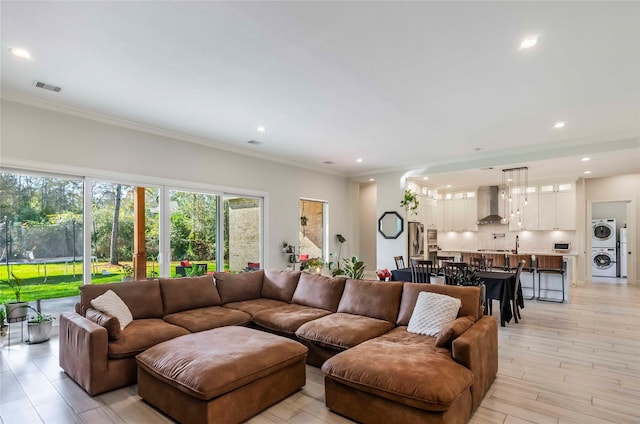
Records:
x=547, y=264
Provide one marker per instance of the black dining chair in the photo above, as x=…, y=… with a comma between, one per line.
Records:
x=516, y=297
x=421, y=270
x=399, y=262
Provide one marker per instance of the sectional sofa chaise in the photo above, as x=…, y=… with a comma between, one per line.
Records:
x=356, y=330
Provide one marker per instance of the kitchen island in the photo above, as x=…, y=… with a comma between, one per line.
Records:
x=548, y=285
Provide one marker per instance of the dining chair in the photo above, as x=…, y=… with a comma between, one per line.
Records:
x=450, y=271
x=515, y=298
x=514, y=262
x=399, y=262
x=478, y=263
x=421, y=270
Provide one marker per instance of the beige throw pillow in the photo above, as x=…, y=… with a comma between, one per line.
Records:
x=111, y=304
x=431, y=312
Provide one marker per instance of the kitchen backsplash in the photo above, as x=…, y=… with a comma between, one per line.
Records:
x=498, y=237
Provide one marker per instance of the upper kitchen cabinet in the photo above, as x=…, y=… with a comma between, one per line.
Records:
x=460, y=211
x=557, y=206
x=428, y=212
x=529, y=215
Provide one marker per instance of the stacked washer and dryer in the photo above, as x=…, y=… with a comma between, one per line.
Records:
x=603, y=248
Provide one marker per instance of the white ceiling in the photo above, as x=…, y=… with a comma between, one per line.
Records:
x=404, y=86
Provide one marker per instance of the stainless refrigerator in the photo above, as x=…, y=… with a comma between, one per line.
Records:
x=415, y=241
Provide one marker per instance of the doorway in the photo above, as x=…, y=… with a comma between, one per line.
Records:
x=312, y=233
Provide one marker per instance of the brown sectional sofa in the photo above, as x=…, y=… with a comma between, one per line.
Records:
x=374, y=368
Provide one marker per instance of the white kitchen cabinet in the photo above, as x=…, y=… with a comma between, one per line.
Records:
x=557, y=206
x=447, y=206
x=428, y=212
x=465, y=211
x=440, y=215
x=529, y=213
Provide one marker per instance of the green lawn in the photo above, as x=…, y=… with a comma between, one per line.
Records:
x=60, y=281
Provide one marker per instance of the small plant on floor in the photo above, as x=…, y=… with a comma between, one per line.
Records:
x=331, y=264
x=352, y=268
x=16, y=285
x=39, y=317
x=194, y=271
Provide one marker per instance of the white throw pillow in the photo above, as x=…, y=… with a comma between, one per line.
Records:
x=431, y=312
x=111, y=304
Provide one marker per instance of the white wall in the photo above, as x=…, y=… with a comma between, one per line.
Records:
x=39, y=139
x=368, y=225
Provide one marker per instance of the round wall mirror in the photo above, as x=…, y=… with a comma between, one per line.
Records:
x=390, y=225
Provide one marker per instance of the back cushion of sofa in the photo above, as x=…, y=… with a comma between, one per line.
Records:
x=181, y=294
x=143, y=298
x=239, y=287
x=469, y=296
x=279, y=285
x=318, y=291
x=371, y=298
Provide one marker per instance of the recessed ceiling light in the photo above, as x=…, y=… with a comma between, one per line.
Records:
x=560, y=124
x=21, y=53
x=509, y=179
x=448, y=185
x=587, y=172
x=585, y=159
x=261, y=129
x=529, y=42
x=425, y=178
x=359, y=160
x=372, y=179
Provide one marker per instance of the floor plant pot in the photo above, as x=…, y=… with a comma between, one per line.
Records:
x=16, y=311
x=40, y=331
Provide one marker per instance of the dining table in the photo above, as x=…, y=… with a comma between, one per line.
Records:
x=402, y=274
x=501, y=286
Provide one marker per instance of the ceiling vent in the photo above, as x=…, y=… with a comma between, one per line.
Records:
x=254, y=142
x=328, y=162
x=44, y=85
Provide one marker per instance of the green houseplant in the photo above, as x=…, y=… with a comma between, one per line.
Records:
x=410, y=201
x=3, y=323
x=39, y=326
x=15, y=311
x=352, y=268
x=340, y=239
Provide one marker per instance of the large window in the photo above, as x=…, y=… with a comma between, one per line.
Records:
x=41, y=232
x=312, y=229
x=112, y=231
x=242, y=233
x=193, y=229
x=43, y=239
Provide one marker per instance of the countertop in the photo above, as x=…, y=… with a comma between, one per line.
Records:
x=524, y=252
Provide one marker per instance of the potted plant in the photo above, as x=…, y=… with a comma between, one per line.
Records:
x=410, y=201
x=127, y=272
x=352, y=268
x=315, y=264
x=468, y=277
x=15, y=311
x=3, y=323
x=39, y=326
x=331, y=264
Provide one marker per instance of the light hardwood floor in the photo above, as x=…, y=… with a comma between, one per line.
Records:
x=564, y=363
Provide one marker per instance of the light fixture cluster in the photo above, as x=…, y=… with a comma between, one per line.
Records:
x=514, y=193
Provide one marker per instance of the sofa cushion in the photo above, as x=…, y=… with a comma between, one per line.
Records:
x=109, y=322
x=239, y=287
x=254, y=306
x=141, y=334
x=342, y=331
x=287, y=319
x=207, y=318
x=142, y=297
x=181, y=294
x=279, y=285
x=111, y=304
x=319, y=291
x=431, y=312
x=469, y=296
x=404, y=368
x=452, y=330
x=371, y=298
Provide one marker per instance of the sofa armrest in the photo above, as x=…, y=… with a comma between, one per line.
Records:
x=477, y=349
x=83, y=351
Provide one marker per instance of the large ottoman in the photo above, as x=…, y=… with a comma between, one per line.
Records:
x=224, y=375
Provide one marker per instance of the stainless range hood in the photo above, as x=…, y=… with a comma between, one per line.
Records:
x=493, y=217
